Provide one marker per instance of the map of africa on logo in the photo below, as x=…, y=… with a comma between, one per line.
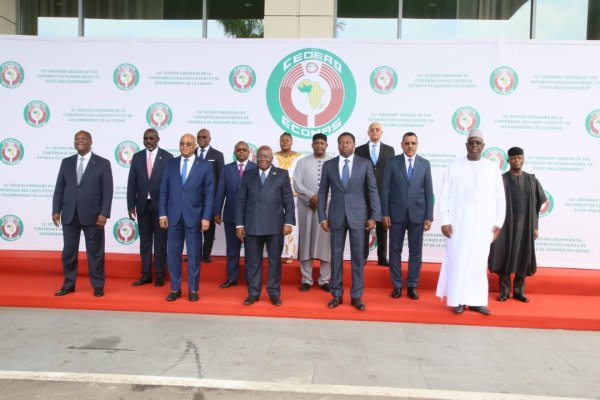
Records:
x=126, y=76
x=498, y=156
x=125, y=231
x=12, y=151
x=11, y=228
x=504, y=80
x=311, y=91
x=12, y=74
x=124, y=153
x=465, y=119
x=592, y=123
x=384, y=80
x=159, y=116
x=242, y=78
x=36, y=113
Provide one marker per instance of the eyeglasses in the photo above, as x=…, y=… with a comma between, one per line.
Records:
x=241, y=150
x=148, y=138
x=186, y=144
x=264, y=156
x=474, y=142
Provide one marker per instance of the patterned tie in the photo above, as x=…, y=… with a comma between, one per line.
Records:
x=410, y=168
x=80, y=170
x=184, y=171
x=241, y=169
x=202, y=153
x=149, y=164
x=345, y=173
x=263, y=177
x=374, y=154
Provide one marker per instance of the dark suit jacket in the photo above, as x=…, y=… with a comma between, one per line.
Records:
x=227, y=190
x=357, y=203
x=385, y=153
x=138, y=184
x=263, y=210
x=215, y=157
x=193, y=201
x=398, y=195
x=93, y=195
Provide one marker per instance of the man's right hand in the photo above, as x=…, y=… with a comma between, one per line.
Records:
x=387, y=222
x=56, y=219
x=132, y=215
x=217, y=219
x=164, y=222
x=325, y=225
x=447, y=230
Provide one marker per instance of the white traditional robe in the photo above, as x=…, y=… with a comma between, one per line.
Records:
x=472, y=201
x=290, y=242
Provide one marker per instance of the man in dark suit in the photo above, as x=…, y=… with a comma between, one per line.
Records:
x=187, y=192
x=264, y=215
x=215, y=157
x=354, y=208
x=82, y=199
x=407, y=205
x=225, y=205
x=143, y=193
x=378, y=153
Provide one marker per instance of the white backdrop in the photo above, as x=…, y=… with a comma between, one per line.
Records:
x=542, y=96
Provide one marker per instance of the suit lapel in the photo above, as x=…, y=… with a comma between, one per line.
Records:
x=403, y=168
x=88, y=169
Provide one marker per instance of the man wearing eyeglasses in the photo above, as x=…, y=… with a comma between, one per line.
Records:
x=472, y=209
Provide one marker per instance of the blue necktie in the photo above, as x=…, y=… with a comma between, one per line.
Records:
x=202, y=153
x=263, y=177
x=374, y=154
x=184, y=171
x=410, y=168
x=345, y=173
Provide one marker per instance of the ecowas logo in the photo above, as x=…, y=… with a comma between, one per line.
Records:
x=159, y=116
x=504, y=80
x=125, y=231
x=592, y=123
x=309, y=91
x=465, y=119
x=12, y=74
x=383, y=80
x=11, y=228
x=126, y=76
x=36, y=113
x=242, y=78
x=124, y=153
x=12, y=151
x=498, y=156
x=372, y=240
x=547, y=206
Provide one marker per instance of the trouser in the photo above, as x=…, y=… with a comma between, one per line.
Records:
x=518, y=286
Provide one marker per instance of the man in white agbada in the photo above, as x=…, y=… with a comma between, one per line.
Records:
x=472, y=208
x=313, y=242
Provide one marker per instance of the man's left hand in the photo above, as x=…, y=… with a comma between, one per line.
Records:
x=100, y=221
x=313, y=202
x=536, y=233
x=204, y=225
x=426, y=225
x=370, y=224
x=287, y=230
x=496, y=232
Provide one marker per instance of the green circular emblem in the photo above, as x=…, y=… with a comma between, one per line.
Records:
x=498, y=156
x=126, y=76
x=36, y=113
x=242, y=78
x=311, y=90
x=12, y=151
x=124, y=153
x=592, y=123
x=11, y=228
x=12, y=74
x=383, y=80
x=125, y=231
x=548, y=206
x=159, y=116
x=504, y=80
x=465, y=119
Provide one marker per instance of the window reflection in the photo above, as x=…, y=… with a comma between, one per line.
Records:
x=561, y=19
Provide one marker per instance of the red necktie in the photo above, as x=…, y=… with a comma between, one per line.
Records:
x=149, y=164
x=241, y=169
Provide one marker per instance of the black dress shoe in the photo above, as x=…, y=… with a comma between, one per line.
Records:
x=383, y=262
x=174, y=295
x=304, y=287
x=206, y=259
x=227, y=283
x=64, y=290
x=502, y=297
x=358, y=304
x=459, y=309
x=142, y=281
x=396, y=293
x=412, y=293
x=520, y=297
x=193, y=296
x=160, y=281
x=250, y=300
x=276, y=301
x=325, y=287
x=98, y=292
x=480, y=309
x=333, y=303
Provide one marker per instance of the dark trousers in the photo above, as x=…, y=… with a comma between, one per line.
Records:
x=338, y=240
x=382, y=237
x=233, y=247
x=152, y=236
x=415, y=252
x=518, y=287
x=209, y=238
x=94, y=248
x=253, y=246
x=176, y=234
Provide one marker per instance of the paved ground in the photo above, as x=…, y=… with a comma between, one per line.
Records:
x=66, y=354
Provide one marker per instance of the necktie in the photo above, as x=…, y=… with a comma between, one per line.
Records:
x=263, y=177
x=202, y=153
x=149, y=164
x=410, y=168
x=374, y=154
x=80, y=170
x=184, y=171
x=241, y=169
x=345, y=173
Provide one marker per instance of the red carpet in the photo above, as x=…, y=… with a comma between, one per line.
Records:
x=560, y=298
